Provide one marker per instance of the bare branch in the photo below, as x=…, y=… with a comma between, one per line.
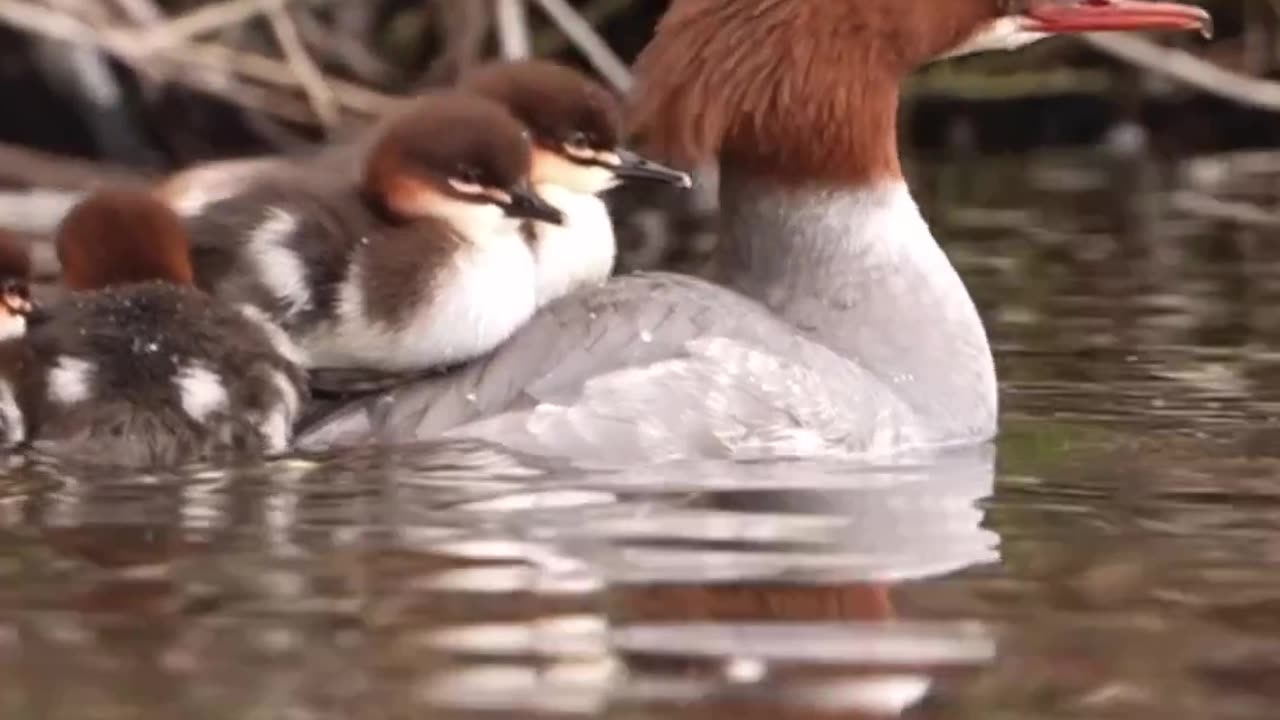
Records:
x=37, y=211
x=514, y=37
x=313, y=82
x=124, y=45
x=1215, y=208
x=1190, y=70
x=588, y=42
x=343, y=46
x=273, y=72
x=23, y=167
x=141, y=12
x=464, y=29
x=200, y=21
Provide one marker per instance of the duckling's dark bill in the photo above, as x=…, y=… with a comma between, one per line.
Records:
x=528, y=205
x=1117, y=15
x=633, y=167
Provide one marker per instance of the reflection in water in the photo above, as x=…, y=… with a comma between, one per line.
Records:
x=312, y=585
x=1119, y=561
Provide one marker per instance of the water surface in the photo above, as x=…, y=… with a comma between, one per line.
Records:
x=1110, y=557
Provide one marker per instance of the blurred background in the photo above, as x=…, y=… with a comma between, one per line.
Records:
x=1113, y=205
x=124, y=90
x=154, y=84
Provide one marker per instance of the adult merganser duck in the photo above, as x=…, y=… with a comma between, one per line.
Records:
x=136, y=367
x=577, y=130
x=839, y=324
x=420, y=264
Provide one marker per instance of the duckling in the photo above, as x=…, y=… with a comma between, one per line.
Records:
x=15, y=287
x=576, y=127
x=135, y=366
x=577, y=130
x=420, y=264
x=15, y=308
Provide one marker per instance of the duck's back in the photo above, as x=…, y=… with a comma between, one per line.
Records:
x=646, y=367
x=154, y=374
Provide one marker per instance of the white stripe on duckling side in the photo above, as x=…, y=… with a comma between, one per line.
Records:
x=202, y=391
x=71, y=380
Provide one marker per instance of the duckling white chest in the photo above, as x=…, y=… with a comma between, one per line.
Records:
x=483, y=294
x=578, y=253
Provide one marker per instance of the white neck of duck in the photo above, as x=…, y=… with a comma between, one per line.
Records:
x=857, y=269
x=577, y=254
x=12, y=326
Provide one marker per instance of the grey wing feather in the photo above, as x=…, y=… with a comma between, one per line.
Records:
x=564, y=345
x=722, y=399
x=649, y=366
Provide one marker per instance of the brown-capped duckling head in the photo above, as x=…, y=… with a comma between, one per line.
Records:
x=457, y=157
x=15, y=287
x=575, y=122
x=118, y=237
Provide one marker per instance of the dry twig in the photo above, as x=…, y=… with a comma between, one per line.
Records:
x=1216, y=208
x=1190, y=70
x=313, y=81
x=343, y=47
x=514, y=39
x=588, y=41
x=209, y=57
x=201, y=21
x=24, y=167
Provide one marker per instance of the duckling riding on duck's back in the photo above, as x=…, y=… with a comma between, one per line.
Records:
x=576, y=126
x=420, y=264
x=139, y=368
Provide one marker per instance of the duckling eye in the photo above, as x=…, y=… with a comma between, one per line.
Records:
x=578, y=146
x=467, y=181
